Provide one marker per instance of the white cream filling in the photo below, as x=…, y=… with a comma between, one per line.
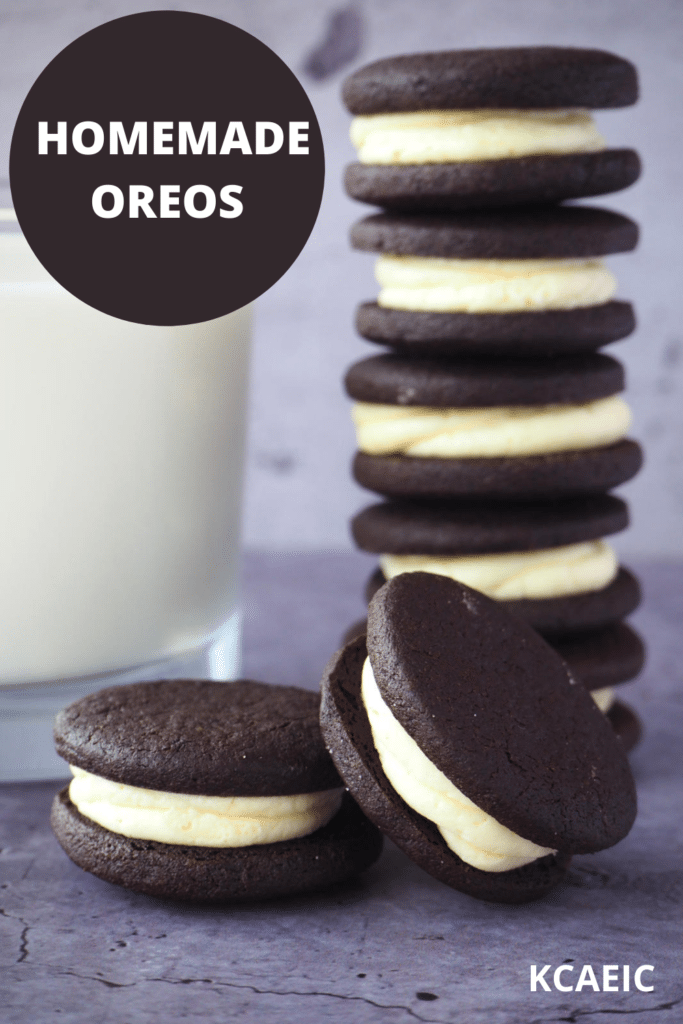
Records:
x=498, y=431
x=514, y=575
x=432, y=283
x=604, y=698
x=187, y=820
x=451, y=136
x=469, y=832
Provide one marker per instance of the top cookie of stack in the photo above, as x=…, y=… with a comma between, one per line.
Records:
x=470, y=128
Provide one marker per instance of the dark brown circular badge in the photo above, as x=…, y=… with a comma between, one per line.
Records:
x=167, y=168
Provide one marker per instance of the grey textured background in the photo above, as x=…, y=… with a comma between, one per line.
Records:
x=299, y=494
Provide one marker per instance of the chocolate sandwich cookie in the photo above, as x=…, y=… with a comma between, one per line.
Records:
x=206, y=791
x=600, y=659
x=500, y=281
x=504, y=429
x=491, y=127
x=460, y=713
x=555, y=617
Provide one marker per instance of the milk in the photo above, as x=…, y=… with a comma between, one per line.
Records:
x=121, y=450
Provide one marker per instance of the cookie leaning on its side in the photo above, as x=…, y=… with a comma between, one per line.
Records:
x=466, y=740
x=206, y=791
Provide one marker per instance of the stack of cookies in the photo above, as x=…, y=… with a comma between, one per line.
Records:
x=494, y=428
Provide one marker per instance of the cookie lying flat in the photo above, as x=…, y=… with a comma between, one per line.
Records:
x=505, y=429
x=504, y=281
x=467, y=701
x=489, y=127
x=200, y=790
x=555, y=617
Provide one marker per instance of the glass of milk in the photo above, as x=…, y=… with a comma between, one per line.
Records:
x=121, y=454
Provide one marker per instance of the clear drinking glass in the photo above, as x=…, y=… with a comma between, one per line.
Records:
x=121, y=457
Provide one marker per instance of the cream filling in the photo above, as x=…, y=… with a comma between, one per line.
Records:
x=515, y=575
x=604, y=698
x=469, y=832
x=451, y=136
x=186, y=820
x=430, y=283
x=494, y=432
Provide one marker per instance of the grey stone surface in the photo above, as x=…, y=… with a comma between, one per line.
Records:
x=393, y=946
x=299, y=494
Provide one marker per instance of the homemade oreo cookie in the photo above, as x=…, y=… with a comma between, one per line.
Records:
x=504, y=429
x=467, y=741
x=206, y=791
x=490, y=127
x=516, y=282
